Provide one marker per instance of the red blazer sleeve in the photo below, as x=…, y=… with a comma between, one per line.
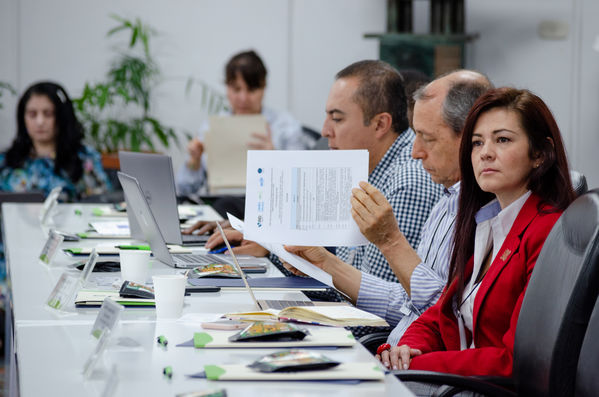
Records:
x=424, y=333
x=436, y=331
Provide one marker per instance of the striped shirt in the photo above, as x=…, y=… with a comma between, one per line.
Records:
x=389, y=300
x=411, y=193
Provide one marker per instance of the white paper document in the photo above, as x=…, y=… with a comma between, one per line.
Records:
x=113, y=228
x=303, y=197
x=299, y=263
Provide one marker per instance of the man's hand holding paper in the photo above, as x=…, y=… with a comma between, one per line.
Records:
x=303, y=197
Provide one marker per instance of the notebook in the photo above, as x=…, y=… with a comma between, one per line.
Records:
x=226, y=151
x=140, y=209
x=154, y=172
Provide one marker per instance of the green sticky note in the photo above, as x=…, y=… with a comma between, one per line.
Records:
x=97, y=212
x=351, y=336
x=377, y=368
x=82, y=235
x=74, y=250
x=201, y=339
x=134, y=247
x=213, y=372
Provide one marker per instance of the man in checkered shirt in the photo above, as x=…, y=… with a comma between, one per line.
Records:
x=367, y=109
x=439, y=114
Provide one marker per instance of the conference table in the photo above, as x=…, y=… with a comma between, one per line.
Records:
x=47, y=349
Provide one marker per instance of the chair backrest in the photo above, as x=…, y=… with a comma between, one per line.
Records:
x=587, y=381
x=558, y=303
x=579, y=183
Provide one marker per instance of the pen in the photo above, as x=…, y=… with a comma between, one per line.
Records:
x=218, y=251
x=133, y=247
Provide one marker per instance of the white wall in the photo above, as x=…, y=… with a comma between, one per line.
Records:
x=304, y=43
x=564, y=72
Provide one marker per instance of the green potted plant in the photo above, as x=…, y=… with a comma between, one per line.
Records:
x=4, y=86
x=116, y=113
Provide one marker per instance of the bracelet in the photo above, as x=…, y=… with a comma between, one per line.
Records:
x=382, y=348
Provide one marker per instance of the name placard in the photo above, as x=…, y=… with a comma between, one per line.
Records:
x=93, y=359
x=49, y=205
x=51, y=247
x=107, y=318
x=64, y=292
x=111, y=382
x=89, y=267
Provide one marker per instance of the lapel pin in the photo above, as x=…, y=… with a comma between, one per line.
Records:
x=505, y=254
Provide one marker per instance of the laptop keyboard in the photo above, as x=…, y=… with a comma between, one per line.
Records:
x=192, y=238
x=280, y=305
x=196, y=258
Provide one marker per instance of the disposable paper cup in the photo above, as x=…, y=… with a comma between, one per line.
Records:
x=135, y=265
x=169, y=291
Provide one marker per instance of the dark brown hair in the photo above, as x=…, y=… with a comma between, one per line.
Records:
x=380, y=90
x=69, y=135
x=550, y=181
x=251, y=68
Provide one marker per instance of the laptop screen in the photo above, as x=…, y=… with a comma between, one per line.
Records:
x=154, y=173
x=139, y=208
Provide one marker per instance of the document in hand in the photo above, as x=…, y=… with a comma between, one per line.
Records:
x=299, y=263
x=303, y=197
x=226, y=149
x=339, y=316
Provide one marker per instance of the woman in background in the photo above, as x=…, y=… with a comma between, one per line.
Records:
x=48, y=149
x=245, y=77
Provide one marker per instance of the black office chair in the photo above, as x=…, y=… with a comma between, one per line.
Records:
x=587, y=381
x=557, y=306
x=579, y=183
x=372, y=341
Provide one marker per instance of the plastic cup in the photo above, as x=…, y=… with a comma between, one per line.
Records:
x=135, y=265
x=169, y=291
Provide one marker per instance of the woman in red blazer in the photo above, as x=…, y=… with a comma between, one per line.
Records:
x=515, y=184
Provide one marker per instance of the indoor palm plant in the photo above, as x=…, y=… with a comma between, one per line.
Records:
x=4, y=86
x=116, y=113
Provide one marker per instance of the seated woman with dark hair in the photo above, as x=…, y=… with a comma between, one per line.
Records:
x=48, y=149
x=515, y=185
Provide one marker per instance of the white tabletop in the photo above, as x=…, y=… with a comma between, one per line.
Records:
x=51, y=348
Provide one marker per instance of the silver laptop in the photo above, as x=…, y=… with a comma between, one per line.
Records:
x=154, y=172
x=260, y=304
x=138, y=206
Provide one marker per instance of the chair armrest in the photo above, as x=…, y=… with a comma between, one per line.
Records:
x=374, y=340
x=457, y=383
